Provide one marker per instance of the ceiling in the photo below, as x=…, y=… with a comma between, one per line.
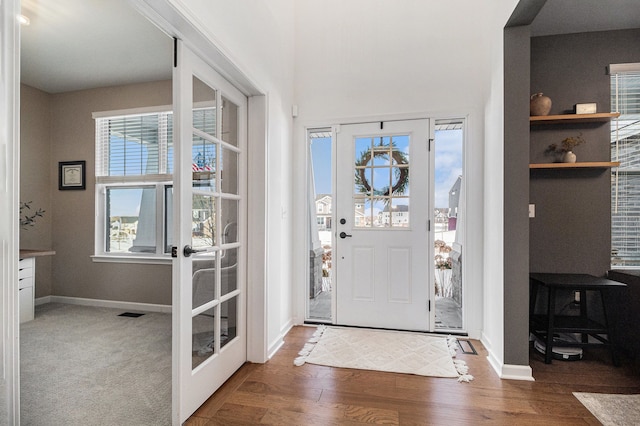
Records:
x=81, y=44
x=578, y=16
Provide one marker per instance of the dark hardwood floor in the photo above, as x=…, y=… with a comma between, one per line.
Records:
x=279, y=393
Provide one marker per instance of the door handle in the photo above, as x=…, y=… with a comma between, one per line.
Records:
x=188, y=250
x=345, y=235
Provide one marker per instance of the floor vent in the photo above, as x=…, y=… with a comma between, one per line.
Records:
x=467, y=347
x=130, y=315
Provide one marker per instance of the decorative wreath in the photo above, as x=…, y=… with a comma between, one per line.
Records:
x=401, y=173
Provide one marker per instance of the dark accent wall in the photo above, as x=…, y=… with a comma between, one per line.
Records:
x=572, y=228
x=516, y=195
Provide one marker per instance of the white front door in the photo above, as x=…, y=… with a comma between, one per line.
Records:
x=209, y=292
x=382, y=235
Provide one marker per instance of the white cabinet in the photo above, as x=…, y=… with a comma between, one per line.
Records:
x=27, y=277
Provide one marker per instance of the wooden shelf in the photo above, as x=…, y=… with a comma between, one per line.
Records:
x=568, y=118
x=578, y=165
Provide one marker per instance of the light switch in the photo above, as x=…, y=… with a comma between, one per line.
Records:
x=532, y=210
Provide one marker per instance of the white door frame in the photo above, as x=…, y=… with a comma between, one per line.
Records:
x=473, y=171
x=9, y=200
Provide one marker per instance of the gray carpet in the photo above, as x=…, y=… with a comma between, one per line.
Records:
x=87, y=366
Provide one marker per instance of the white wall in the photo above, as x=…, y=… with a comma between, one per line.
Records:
x=367, y=59
x=258, y=38
x=493, y=330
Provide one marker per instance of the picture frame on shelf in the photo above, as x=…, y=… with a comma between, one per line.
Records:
x=71, y=175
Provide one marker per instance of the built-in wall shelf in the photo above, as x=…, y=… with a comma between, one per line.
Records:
x=577, y=165
x=568, y=118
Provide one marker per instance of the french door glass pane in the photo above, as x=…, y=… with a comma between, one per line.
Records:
x=204, y=221
x=204, y=279
x=229, y=172
x=229, y=122
x=204, y=107
x=203, y=166
x=228, y=321
x=203, y=336
x=229, y=271
x=229, y=216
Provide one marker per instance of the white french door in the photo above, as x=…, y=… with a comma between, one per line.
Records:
x=209, y=291
x=383, y=258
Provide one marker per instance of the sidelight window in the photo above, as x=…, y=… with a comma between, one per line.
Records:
x=625, y=180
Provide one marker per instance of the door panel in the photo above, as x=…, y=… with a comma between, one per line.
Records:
x=399, y=278
x=209, y=329
x=383, y=245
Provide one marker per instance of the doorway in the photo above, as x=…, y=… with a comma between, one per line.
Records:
x=373, y=209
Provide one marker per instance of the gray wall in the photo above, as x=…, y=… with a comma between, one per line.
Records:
x=71, y=215
x=572, y=228
x=35, y=175
x=516, y=195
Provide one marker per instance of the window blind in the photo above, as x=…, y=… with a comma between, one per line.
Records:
x=625, y=180
x=134, y=145
x=139, y=147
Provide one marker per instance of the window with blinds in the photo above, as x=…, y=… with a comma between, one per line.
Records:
x=134, y=145
x=625, y=180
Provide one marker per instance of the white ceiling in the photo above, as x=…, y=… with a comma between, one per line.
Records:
x=81, y=44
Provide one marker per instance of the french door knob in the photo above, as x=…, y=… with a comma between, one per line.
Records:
x=188, y=250
x=345, y=235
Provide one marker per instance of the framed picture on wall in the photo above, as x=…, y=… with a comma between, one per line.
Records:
x=71, y=175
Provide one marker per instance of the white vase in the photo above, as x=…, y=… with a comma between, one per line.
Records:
x=569, y=157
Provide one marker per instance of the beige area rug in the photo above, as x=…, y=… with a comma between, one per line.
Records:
x=612, y=409
x=381, y=350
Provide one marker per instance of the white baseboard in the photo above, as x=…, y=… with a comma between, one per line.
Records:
x=274, y=347
x=279, y=341
x=517, y=372
x=130, y=306
x=285, y=329
x=506, y=371
x=493, y=360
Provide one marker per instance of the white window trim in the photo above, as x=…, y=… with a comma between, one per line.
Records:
x=132, y=111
